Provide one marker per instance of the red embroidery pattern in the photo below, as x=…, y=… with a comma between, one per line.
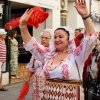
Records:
x=65, y=71
x=36, y=91
x=70, y=42
x=53, y=52
x=38, y=85
x=40, y=50
x=96, y=33
x=77, y=50
x=89, y=38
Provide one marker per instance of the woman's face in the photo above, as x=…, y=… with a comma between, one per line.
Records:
x=15, y=34
x=60, y=39
x=45, y=38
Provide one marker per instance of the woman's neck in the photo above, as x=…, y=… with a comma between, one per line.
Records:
x=12, y=38
x=1, y=39
x=62, y=51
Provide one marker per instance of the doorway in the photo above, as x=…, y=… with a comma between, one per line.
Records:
x=17, y=9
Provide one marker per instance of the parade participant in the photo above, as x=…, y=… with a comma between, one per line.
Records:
x=34, y=66
x=62, y=64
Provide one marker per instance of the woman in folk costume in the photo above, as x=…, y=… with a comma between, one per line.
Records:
x=34, y=66
x=62, y=62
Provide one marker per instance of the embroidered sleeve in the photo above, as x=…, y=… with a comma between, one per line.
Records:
x=33, y=64
x=30, y=65
x=36, y=49
x=82, y=52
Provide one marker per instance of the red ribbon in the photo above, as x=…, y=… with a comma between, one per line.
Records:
x=24, y=91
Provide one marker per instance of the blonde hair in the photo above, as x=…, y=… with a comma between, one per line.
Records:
x=47, y=30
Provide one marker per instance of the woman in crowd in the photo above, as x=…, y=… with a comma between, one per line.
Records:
x=34, y=66
x=14, y=55
x=62, y=63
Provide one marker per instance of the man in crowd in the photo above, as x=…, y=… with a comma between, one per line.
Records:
x=78, y=37
x=77, y=32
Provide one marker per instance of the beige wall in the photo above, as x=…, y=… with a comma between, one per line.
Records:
x=36, y=32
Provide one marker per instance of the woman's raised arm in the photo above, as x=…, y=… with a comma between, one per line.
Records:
x=30, y=42
x=81, y=8
x=23, y=27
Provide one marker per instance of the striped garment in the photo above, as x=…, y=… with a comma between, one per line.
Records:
x=2, y=51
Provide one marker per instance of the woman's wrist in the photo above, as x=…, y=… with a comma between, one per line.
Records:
x=22, y=26
x=86, y=16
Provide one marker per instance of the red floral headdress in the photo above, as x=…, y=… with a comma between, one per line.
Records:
x=38, y=16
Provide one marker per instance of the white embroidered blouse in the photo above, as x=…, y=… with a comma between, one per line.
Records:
x=66, y=69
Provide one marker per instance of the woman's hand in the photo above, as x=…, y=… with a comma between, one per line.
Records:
x=81, y=7
x=29, y=75
x=27, y=79
x=24, y=18
x=9, y=37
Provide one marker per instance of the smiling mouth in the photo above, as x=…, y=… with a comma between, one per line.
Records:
x=58, y=43
x=43, y=42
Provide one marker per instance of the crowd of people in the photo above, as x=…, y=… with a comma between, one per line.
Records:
x=13, y=56
x=92, y=64
x=61, y=62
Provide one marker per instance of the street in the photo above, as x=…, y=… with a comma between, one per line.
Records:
x=13, y=92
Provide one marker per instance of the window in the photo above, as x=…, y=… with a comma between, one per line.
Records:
x=63, y=20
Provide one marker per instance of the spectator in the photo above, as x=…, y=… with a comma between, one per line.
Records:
x=78, y=39
x=77, y=32
x=14, y=55
x=93, y=69
x=2, y=56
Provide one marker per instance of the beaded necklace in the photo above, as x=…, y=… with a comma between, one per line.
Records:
x=50, y=66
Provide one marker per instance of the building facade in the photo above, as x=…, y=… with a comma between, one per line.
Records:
x=14, y=8
x=73, y=19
